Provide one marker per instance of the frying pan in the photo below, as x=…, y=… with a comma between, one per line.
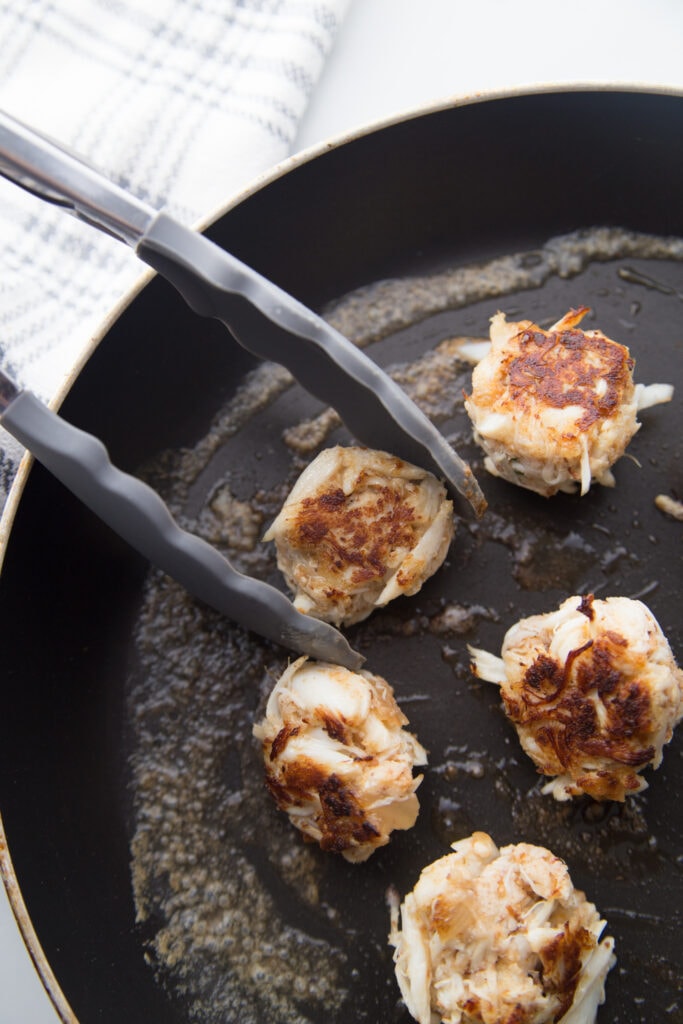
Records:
x=152, y=878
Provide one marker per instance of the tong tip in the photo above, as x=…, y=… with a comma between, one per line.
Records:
x=323, y=642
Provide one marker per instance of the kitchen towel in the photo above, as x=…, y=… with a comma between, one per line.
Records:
x=182, y=102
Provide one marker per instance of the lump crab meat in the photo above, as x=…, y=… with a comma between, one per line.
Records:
x=554, y=410
x=499, y=936
x=594, y=693
x=338, y=759
x=360, y=528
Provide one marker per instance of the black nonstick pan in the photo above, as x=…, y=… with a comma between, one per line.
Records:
x=159, y=882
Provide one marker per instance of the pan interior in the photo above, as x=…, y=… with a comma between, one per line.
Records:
x=152, y=905
x=241, y=919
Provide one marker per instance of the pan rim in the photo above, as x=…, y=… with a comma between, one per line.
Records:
x=279, y=170
x=7, y=872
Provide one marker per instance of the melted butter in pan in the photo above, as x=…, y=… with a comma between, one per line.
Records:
x=242, y=920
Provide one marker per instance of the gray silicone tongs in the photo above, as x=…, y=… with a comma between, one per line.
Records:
x=263, y=319
x=137, y=513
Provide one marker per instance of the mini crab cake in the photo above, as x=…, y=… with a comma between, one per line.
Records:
x=593, y=691
x=360, y=528
x=555, y=409
x=338, y=758
x=493, y=936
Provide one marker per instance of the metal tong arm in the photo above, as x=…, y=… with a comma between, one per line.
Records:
x=137, y=513
x=270, y=323
x=51, y=172
x=263, y=318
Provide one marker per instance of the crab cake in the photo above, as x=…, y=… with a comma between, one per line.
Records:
x=499, y=936
x=594, y=693
x=554, y=410
x=338, y=757
x=358, y=529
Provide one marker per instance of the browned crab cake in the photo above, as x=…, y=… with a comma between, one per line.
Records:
x=358, y=529
x=493, y=936
x=555, y=409
x=338, y=758
x=594, y=693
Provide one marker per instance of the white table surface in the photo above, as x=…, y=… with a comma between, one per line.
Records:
x=393, y=56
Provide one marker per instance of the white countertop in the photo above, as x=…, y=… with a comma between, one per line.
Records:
x=393, y=56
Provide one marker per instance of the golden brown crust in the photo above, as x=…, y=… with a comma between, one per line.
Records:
x=499, y=935
x=561, y=961
x=348, y=535
x=553, y=409
x=567, y=728
x=564, y=368
x=589, y=716
x=337, y=757
x=359, y=528
x=344, y=823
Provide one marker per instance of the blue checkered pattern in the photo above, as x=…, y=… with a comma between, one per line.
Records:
x=182, y=102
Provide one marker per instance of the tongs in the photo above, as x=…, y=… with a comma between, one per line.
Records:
x=263, y=319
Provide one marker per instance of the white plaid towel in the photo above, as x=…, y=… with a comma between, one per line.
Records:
x=182, y=102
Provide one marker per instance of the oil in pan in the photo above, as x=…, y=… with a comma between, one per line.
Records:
x=243, y=920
